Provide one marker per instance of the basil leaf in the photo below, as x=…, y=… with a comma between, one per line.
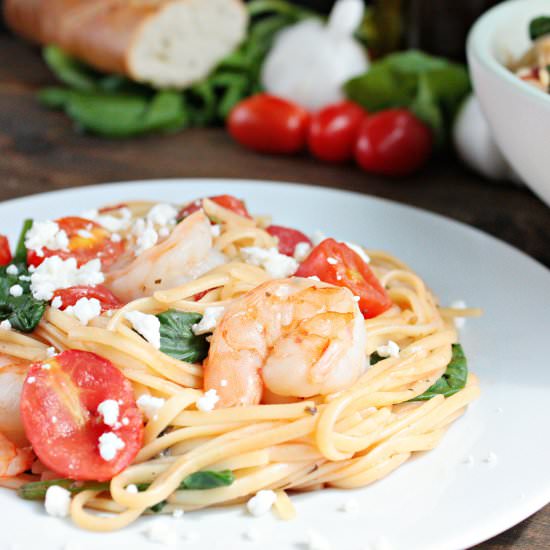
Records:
x=208, y=479
x=177, y=338
x=539, y=27
x=453, y=379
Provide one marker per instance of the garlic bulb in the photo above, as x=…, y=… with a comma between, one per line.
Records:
x=309, y=61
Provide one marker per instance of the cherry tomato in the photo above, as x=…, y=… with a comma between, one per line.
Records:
x=336, y=263
x=333, y=131
x=269, y=124
x=69, y=296
x=226, y=201
x=59, y=405
x=393, y=143
x=5, y=252
x=288, y=238
x=87, y=240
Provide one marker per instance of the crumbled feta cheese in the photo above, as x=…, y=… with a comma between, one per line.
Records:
x=31, y=380
x=359, y=250
x=132, y=489
x=459, y=321
x=125, y=421
x=57, y=303
x=491, y=459
x=109, y=445
x=54, y=273
x=318, y=237
x=208, y=401
x=357, y=298
x=331, y=260
x=350, y=506
x=50, y=352
x=209, y=321
x=278, y=266
x=84, y=234
x=252, y=534
x=54, y=419
x=301, y=251
x=223, y=383
x=316, y=541
x=160, y=531
x=46, y=235
x=25, y=277
x=108, y=221
x=147, y=325
x=12, y=270
x=216, y=230
x=261, y=503
x=58, y=501
x=85, y=310
x=5, y=324
x=164, y=232
x=178, y=513
x=162, y=214
x=146, y=235
x=109, y=410
x=16, y=290
x=468, y=460
x=314, y=278
x=391, y=349
x=116, y=238
x=150, y=405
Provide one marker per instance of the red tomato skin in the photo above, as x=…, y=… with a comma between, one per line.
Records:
x=226, y=201
x=69, y=444
x=82, y=249
x=393, y=143
x=349, y=271
x=269, y=124
x=288, y=238
x=5, y=252
x=333, y=131
x=69, y=296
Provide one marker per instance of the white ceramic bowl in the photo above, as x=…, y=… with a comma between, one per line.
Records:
x=518, y=113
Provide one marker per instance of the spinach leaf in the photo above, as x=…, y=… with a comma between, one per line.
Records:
x=20, y=256
x=375, y=358
x=431, y=87
x=539, y=27
x=68, y=70
x=177, y=338
x=208, y=479
x=453, y=379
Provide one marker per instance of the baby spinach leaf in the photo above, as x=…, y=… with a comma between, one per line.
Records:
x=68, y=70
x=453, y=380
x=539, y=27
x=208, y=479
x=375, y=358
x=177, y=338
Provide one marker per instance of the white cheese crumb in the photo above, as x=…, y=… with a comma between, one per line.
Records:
x=109, y=445
x=146, y=235
x=391, y=349
x=318, y=237
x=160, y=531
x=261, y=503
x=46, y=235
x=54, y=419
x=25, y=277
x=84, y=234
x=54, y=273
x=223, y=383
x=350, y=506
x=57, y=303
x=132, y=489
x=50, y=352
x=125, y=421
x=109, y=410
x=468, y=460
x=331, y=260
x=357, y=298
x=301, y=251
x=149, y=405
x=278, y=266
x=314, y=278
x=58, y=501
x=162, y=214
x=109, y=222
x=85, y=310
x=316, y=541
x=208, y=401
x=16, y=290
x=164, y=232
x=459, y=321
x=31, y=380
x=252, y=534
x=491, y=459
x=209, y=321
x=178, y=513
x=116, y=238
x=216, y=230
x=12, y=270
x=147, y=325
x=5, y=325
x=359, y=251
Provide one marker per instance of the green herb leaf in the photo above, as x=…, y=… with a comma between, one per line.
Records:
x=375, y=358
x=68, y=70
x=20, y=256
x=453, y=379
x=539, y=27
x=177, y=338
x=431, y=87
x=208, y=479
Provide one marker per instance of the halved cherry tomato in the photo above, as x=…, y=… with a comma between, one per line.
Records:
x=333, y=131
x=226, y=201
x=336, y=263
x=269, y=124
x=393, y=143
x=59, y=405
x=69, y=296
x=288, y=238
x=5, y=252
x=87, y=240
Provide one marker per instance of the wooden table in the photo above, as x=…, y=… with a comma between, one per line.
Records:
x=39, y=151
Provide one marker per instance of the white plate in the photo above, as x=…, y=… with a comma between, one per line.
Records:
x=434, y=502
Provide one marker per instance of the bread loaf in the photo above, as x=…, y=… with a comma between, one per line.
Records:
x=167, y=43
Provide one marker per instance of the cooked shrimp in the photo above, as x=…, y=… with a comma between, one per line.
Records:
x=12, y=376
x=13, y=461
x=185, y=255
x=289, y=337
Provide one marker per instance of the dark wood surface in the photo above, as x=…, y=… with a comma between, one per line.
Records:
x=40, y=151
